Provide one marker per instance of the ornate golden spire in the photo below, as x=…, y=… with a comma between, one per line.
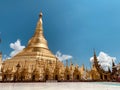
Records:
x=83, y=67
x=94, y=53
x=39, y=27
x=95, y=57
x=38, y=41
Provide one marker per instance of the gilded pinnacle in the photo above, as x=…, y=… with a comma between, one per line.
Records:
x=40, y=15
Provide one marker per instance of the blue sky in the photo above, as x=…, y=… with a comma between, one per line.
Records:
x=73, y=27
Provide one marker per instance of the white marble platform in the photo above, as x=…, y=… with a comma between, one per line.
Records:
x=61, y=86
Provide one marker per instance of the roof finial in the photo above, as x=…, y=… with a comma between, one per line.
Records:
x=94, y=51
x=40, y=15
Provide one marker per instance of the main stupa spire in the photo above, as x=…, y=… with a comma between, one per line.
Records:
x=38, y=41
x=39, y=24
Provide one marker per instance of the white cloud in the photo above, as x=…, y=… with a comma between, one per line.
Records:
x=5, y=57
x=16, y=48
x=104, y=60
x=63, y=57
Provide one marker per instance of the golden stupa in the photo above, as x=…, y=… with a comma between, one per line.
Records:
x=37, y=48
x=36, y=55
